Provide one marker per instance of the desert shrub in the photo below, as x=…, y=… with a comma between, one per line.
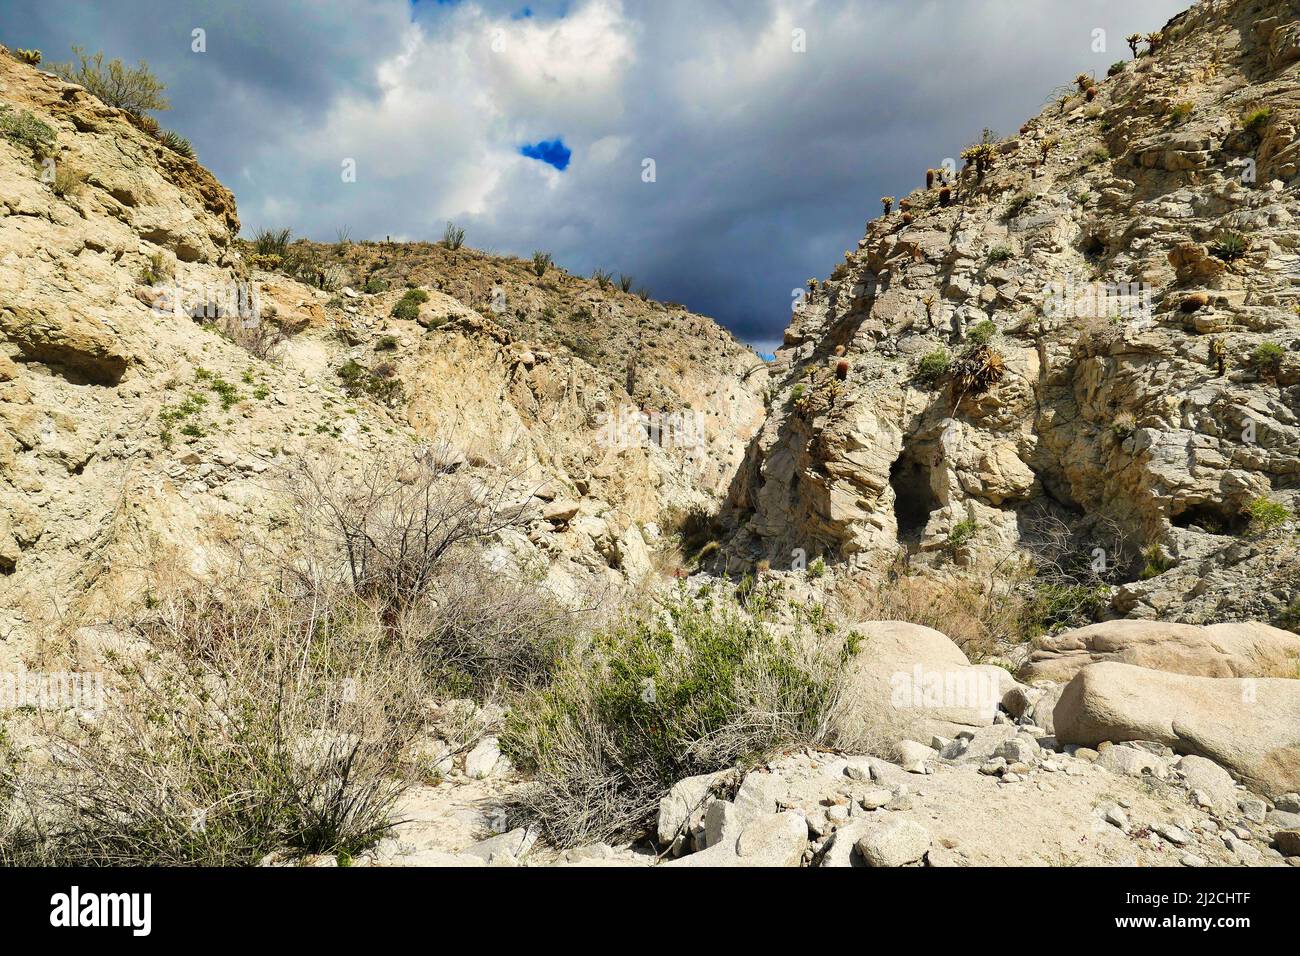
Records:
x=700, y=686
x=962, y=532
x=541, y=262
x=453, y=237
x=978, y=369
x=68, y=182
x=1018, y=204
x=983, y=332
x=158, y=268
x=817, y=568
x=933, y=366
x=378, y=383
x=1267, y=514
x=602, y=277
x=375, y=285
x=1266, y=358
x=257, y=721
x=1000, y=254
x=176, y=143
x=271, y=242
x=1256, y=119
x=625, y=282
x=1096, y=156
x=259, y=336
x=1179, y=112
x=407, y=307
x=134, y=89
x=1116, y=68
x=1157, y=563
x=26, y=130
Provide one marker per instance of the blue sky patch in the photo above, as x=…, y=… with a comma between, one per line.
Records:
x=553, y=152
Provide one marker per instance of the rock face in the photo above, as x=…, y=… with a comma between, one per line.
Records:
x=1249, y=726
x=1079, y=288
x=1235, y=649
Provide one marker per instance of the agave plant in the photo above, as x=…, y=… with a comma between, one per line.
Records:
x=978, y=370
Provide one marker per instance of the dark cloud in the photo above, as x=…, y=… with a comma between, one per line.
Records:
x=767, y=160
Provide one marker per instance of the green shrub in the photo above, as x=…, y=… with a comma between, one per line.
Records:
x=541, y=262
x=1266, y=358
x=1116, y=68
x=817, y=568
x=933, y=366
x=1179, y=112
x=271, y=242
x=699, y=687
x=962, y=532
x=157, y=269
x=1000, y=254
x=375, y=285
x=28, y=131
x=1256, y=119
x=134, y=89
x=1155, y=564
x=602, y=277
x=1266, y=514
x=982, y=332
x=1096, y=156
x=379, y=383
x=408, y=306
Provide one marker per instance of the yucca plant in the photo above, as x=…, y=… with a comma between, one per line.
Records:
x=1230, y=246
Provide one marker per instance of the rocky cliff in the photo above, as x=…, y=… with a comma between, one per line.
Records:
x=1093, y=325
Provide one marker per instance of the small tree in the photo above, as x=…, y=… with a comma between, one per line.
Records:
x=134, y=89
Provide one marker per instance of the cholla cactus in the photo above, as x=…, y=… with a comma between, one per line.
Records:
x=1133, y=39
x=28, y=56
x=1046, y=146
x=1219, y=355
x=1155, y=40
x=888, y=203
x=1084, y=81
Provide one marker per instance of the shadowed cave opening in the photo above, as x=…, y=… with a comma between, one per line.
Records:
x=914, y=502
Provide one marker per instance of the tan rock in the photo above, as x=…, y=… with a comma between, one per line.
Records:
x=1232, y=649
x=1250, y=726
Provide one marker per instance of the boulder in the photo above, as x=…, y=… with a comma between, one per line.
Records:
x=1235, y=649
x=1250, y=726
x=1210, y=779
x=912, y=681
x=896, y=842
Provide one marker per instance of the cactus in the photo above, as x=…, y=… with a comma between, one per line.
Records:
x=32, y=57
x=1219, y=355
x=1194, y=302
x=1084, y=81
x=888, y=203
x=1154, y=40
x=945, y=196
x=1133, y=39
x=842, y=369
x=908, y=219
x=839, y=350
x=929, y=178
x=1091, y=94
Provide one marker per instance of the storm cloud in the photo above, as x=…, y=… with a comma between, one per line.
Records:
x=721, y=152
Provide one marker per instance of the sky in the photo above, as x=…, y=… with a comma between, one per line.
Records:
x=721, y=152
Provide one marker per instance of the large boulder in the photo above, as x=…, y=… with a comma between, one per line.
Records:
x=912, y=681
x=1251, y=726
x=1234, y=649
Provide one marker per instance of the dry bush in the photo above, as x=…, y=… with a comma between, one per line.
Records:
x=245, y=721
x=261, y=338
x=980, y=617
x=697, y=686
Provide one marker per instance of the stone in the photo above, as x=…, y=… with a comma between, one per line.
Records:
x=1018, y=750
x=896, y=842
x=1250, y=726
x=1211, y=780
x=482, y=760
x=1130, y=762
x=682, y=809
x=722, y=824
x=1118, y=817
x=769, y=840
x=874, y=799
x=515, y=844
x=912, y=756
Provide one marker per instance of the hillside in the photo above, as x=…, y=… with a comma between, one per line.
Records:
x=160, y=387
x=1089, y=338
